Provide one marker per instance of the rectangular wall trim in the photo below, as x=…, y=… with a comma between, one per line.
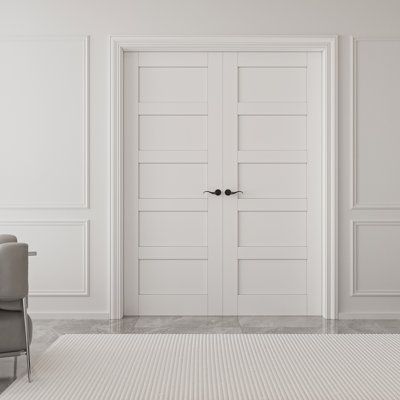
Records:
x=355, y=204
x=85, y=121
x=85, y=249
x=354, y=291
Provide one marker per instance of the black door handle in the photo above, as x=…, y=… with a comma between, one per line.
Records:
x=228, y=192
x=217, y=192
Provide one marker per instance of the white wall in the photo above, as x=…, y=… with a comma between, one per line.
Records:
x=44, y=136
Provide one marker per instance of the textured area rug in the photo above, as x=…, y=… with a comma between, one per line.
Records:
x=214, y=367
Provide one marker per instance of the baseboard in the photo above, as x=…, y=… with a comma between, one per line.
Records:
x=369, y=315
x=68, y=315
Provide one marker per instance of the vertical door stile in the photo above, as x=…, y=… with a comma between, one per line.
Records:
x=214, y=181
x=314, y=194
x=230, y=168
x=131, y=174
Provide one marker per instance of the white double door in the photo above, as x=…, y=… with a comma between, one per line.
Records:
x=197, y=121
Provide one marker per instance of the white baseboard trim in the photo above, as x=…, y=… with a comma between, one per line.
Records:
x=68, y=315
x=369, y=315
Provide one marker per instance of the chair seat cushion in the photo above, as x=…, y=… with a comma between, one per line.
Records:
x=12, y=331
x=15, y=305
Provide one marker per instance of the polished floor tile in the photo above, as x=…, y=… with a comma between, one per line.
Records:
x=283, y=330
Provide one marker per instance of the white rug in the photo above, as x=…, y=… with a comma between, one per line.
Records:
x=213, y=367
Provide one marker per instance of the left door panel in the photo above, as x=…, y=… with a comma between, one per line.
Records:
x=172, y=148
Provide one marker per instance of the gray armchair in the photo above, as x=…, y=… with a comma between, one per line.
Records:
x=15, y=324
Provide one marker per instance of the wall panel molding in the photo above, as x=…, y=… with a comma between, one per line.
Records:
x=354, y=290
x=85, y=251
x=355, y=203
x=85, y=85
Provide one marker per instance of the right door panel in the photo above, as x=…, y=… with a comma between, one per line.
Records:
x=272, y=152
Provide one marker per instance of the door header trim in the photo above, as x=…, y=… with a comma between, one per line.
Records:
x=327, y=45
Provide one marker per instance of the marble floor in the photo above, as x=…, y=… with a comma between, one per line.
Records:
x=47, y=331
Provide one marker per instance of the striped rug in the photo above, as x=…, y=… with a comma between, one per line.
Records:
x=214, y=367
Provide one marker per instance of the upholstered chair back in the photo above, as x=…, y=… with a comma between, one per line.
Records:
x=7, y=239
x=13, y=271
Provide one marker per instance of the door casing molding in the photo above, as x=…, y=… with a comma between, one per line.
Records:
x=327, y=45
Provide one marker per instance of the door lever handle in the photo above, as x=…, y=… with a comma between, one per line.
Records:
x=217, y=192
x=228, y=192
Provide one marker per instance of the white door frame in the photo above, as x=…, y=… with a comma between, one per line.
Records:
x=327, y=45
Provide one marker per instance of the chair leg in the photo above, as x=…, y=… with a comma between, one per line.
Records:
x=28, y=352
x=15, y=367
